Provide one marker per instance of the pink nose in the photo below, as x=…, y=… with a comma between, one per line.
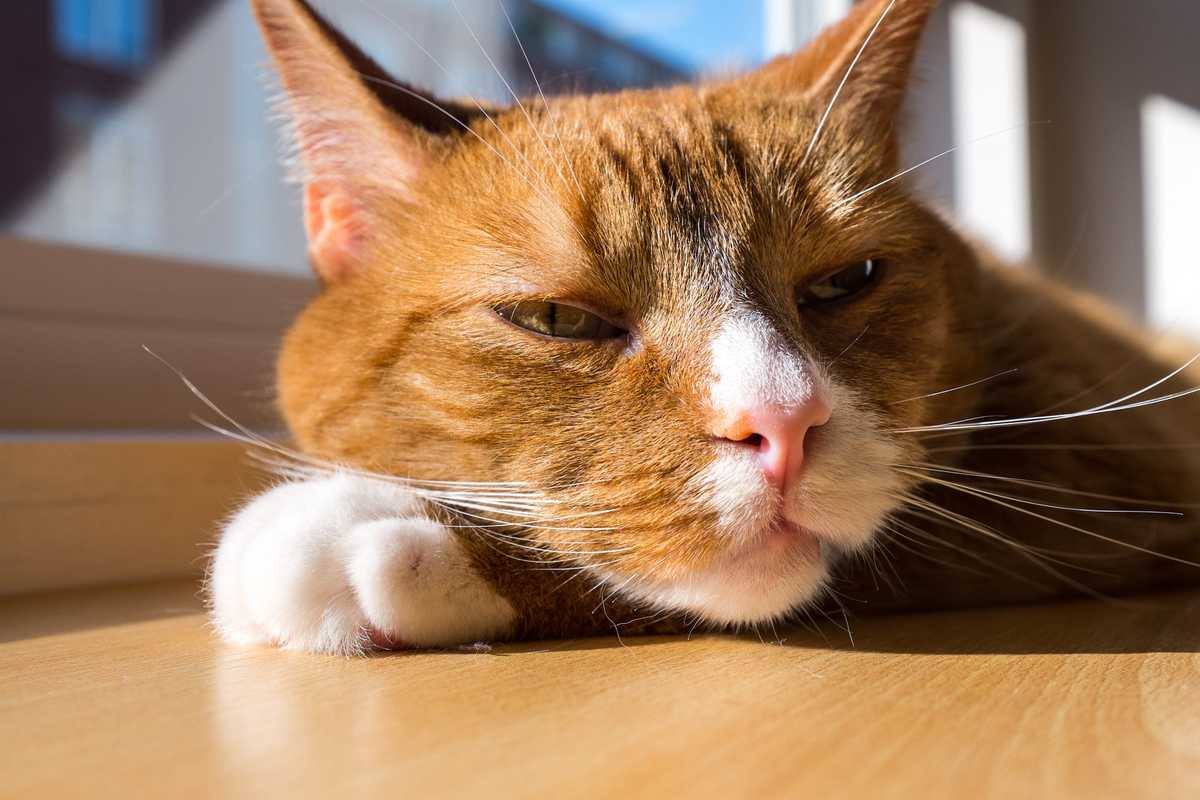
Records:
x=777, y=434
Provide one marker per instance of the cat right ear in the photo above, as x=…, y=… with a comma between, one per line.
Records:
x=362, y=138
x=863, y=62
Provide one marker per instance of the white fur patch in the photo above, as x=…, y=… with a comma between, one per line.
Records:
x=740, y=590
x=753, y=367
x=315, y=565
x=845, y=494
x=734, y=486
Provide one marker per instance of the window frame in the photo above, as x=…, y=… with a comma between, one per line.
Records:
x=75, y=321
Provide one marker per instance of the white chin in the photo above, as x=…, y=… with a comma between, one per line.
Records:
x=759, y=584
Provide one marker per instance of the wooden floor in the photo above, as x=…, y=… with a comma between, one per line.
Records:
x=124, y=693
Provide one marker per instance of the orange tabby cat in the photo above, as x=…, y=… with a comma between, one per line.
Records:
x=675, y=357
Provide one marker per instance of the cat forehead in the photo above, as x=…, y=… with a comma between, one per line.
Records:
x=645, y=197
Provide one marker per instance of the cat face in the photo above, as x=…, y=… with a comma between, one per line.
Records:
x=675, y=318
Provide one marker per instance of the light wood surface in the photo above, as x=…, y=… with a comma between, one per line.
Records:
x=123, y=693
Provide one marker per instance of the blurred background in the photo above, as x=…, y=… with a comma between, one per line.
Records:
x=143, y=203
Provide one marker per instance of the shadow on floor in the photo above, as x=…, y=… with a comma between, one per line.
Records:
x=40, y=615
x=1167, y=623
x=1156, y=624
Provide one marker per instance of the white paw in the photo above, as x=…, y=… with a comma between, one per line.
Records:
x=340, y=564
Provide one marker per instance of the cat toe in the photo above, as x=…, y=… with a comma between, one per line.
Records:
x=418, y=588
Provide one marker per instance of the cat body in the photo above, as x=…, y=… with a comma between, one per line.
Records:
x=678, y=357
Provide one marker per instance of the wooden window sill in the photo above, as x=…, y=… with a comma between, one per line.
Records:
x=84, y=509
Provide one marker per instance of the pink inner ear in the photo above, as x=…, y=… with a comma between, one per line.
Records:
x=334, y=223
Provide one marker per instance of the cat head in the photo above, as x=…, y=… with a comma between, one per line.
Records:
x=685, y=323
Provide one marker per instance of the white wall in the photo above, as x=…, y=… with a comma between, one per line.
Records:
x=1095, y=65
x=1113, y=192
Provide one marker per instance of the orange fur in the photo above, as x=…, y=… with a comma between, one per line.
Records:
x=666, y=210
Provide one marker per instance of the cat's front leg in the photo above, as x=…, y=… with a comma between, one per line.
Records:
x=343, y=564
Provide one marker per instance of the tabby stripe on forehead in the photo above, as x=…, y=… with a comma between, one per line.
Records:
x=730, y=149
x=619, y=160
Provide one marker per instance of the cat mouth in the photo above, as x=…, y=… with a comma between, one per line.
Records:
x=770, y=572
x=781, y=539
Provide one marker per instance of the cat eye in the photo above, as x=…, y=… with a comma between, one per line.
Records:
x=558, y=320
x=842, y=284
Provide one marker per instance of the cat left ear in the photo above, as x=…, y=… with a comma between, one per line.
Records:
x=363, y=138
x=871, y=49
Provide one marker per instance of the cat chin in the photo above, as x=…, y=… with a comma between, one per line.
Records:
x=850, y=526
x=751, y=584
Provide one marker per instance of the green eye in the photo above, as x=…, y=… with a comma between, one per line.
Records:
x=558, y=320
x=842, y=284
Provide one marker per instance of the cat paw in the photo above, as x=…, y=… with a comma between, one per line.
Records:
x=345, y=565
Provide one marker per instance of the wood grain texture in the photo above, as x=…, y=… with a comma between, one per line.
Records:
x=123, y=693
x=84, y=510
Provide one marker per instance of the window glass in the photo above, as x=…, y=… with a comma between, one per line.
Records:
x=144, y=124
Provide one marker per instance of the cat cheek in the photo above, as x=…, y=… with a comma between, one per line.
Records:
x=334, y=223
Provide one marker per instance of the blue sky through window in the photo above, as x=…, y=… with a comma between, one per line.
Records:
x=700, y=35
x=115, y=33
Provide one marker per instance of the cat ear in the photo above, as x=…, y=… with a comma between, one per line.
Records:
x=871, y=49
x=360, y=135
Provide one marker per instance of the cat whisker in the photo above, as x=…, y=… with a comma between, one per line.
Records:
x=953, y=434
x=517, y=501
x=847, y=348
x=871, y=557
x=553, y=551
x=1034, y=556
x=812, y=144
x=569, y=552
x=1050, y=487
x=526, y=513
x=774, y=632
x=523, y=520
x=958, y=487
x=541, y=564
x=970, y=385
x=483, y=111
x=575, y=573
x=852, y=198
x=1073, y=509
x=499, y=74
x=508, y=86
x=986, y=563
x=613, y=592
x=1065, y=558
x=1085, y=392
x=541, y=192
x=845, y=627
x=1114, y=406
x=646, y=619
x=545, y=103
x=492, y=532
x=1056, y=507
x=508, y=489
x=308, y=465
x=910, y=538
x=1088, y=447
x=308, y=468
